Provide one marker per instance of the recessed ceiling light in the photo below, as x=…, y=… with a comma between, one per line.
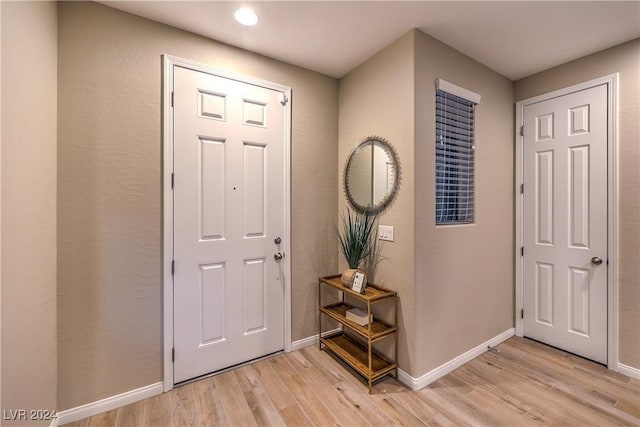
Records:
x=246, y=16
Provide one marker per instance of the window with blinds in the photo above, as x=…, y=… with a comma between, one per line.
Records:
x=455, y=169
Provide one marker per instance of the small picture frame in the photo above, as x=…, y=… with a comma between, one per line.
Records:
x=359, y=282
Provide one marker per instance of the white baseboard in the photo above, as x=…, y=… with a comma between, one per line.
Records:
x=444, y=369
x=313, y=339
x=304, y=342
x=629, y=371
x=107, y=404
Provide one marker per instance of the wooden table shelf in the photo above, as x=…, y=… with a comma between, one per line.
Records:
x=361, y=356
x=356, y=355
x=379, y=329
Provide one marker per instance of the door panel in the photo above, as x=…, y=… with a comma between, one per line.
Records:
x=254, y=285
x=229, y=206
x=212, y=296
x=544, y=293
x=211, y=197
x=254, y=186
x=579, y=196
x=565, y=222
x=544, y=200
x=579, y=297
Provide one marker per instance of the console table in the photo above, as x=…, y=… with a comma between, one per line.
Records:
x=354, y=343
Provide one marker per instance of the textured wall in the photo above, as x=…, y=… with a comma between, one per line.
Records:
x=109, y=205
x=623, y=59
x=464, y=274
x=29, y=87
x=1, y=211
x=376, y=98
x=454, y=293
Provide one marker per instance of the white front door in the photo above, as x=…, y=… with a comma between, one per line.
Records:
x=565, y=222
x=229, y=208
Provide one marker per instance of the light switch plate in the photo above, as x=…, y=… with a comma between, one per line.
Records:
x=385, y=232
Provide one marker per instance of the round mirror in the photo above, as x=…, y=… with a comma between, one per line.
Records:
x=372, y=175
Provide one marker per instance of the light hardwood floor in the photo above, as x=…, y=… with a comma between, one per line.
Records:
x=525, y=384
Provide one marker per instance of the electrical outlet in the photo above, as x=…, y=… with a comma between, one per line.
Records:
x=385, y=232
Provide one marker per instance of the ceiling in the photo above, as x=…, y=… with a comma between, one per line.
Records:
x=514, y=38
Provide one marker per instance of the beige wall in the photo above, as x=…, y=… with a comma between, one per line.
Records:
x=464, y=274
x=28, y=192
x=109, y=206
x=376, y=98
x=623, y=59
x=445, y=309
x=1, y=212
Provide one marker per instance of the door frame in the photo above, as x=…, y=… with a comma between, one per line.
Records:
x=168, y=64
x=612, y=206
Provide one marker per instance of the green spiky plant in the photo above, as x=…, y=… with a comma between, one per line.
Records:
x=374, y=257
x=357, y=228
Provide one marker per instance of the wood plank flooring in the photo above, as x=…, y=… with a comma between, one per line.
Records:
x=525, y=384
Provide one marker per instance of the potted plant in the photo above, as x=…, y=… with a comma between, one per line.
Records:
x=355, y=238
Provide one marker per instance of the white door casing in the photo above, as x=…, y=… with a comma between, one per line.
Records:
x=231, y=297
x=566, y=217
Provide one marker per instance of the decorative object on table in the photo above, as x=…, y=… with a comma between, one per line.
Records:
x=370, y=264
x=347, y=276
x=359, y=316
x=355, y=242
x=359, y=282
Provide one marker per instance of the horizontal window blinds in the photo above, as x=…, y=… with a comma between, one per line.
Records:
x=454, y=159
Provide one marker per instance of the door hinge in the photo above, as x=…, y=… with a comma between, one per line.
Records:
x=173, y=267
x=172, y=99
x=173, y=354
x=521, y=188
x=172, y=180
x=283, y=99
x=522, y=130
x=522, y=313
x=521, y=250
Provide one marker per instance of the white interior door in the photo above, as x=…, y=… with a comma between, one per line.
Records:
x=565, y=222
x=229, y=207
